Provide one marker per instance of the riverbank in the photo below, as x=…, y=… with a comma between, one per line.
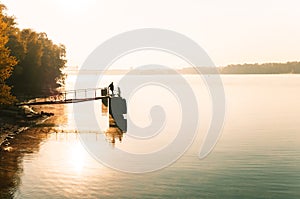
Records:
x=15, y=120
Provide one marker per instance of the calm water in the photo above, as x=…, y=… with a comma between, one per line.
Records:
x=257, y=156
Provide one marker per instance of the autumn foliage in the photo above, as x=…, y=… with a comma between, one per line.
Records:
x=30, y=63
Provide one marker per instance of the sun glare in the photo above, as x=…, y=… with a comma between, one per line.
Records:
x=77, y=157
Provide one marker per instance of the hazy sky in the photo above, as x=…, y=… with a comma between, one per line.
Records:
x=230, y=31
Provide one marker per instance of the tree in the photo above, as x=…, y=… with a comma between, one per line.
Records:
x=40, y=63
x=30, y=63
x=7, y=62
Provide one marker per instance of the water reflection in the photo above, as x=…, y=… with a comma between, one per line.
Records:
x=30, y=142
x=9, y=174
x=256, y=157
x=11, y=161
x=113, y=134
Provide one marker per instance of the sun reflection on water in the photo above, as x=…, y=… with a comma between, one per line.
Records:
x=77, y=157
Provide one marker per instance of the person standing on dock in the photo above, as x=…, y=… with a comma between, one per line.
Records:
x=111, y=87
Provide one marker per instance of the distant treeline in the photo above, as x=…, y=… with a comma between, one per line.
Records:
x=267, y=68
x=30, y=63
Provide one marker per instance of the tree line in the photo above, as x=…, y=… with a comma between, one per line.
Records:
x=30, y=63
x=266, y=68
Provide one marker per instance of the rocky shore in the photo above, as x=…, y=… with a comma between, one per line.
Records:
x=14, y=120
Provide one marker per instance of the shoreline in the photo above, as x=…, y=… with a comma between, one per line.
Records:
x=15, y=120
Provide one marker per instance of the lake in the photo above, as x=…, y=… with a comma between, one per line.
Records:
x=256, y=156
